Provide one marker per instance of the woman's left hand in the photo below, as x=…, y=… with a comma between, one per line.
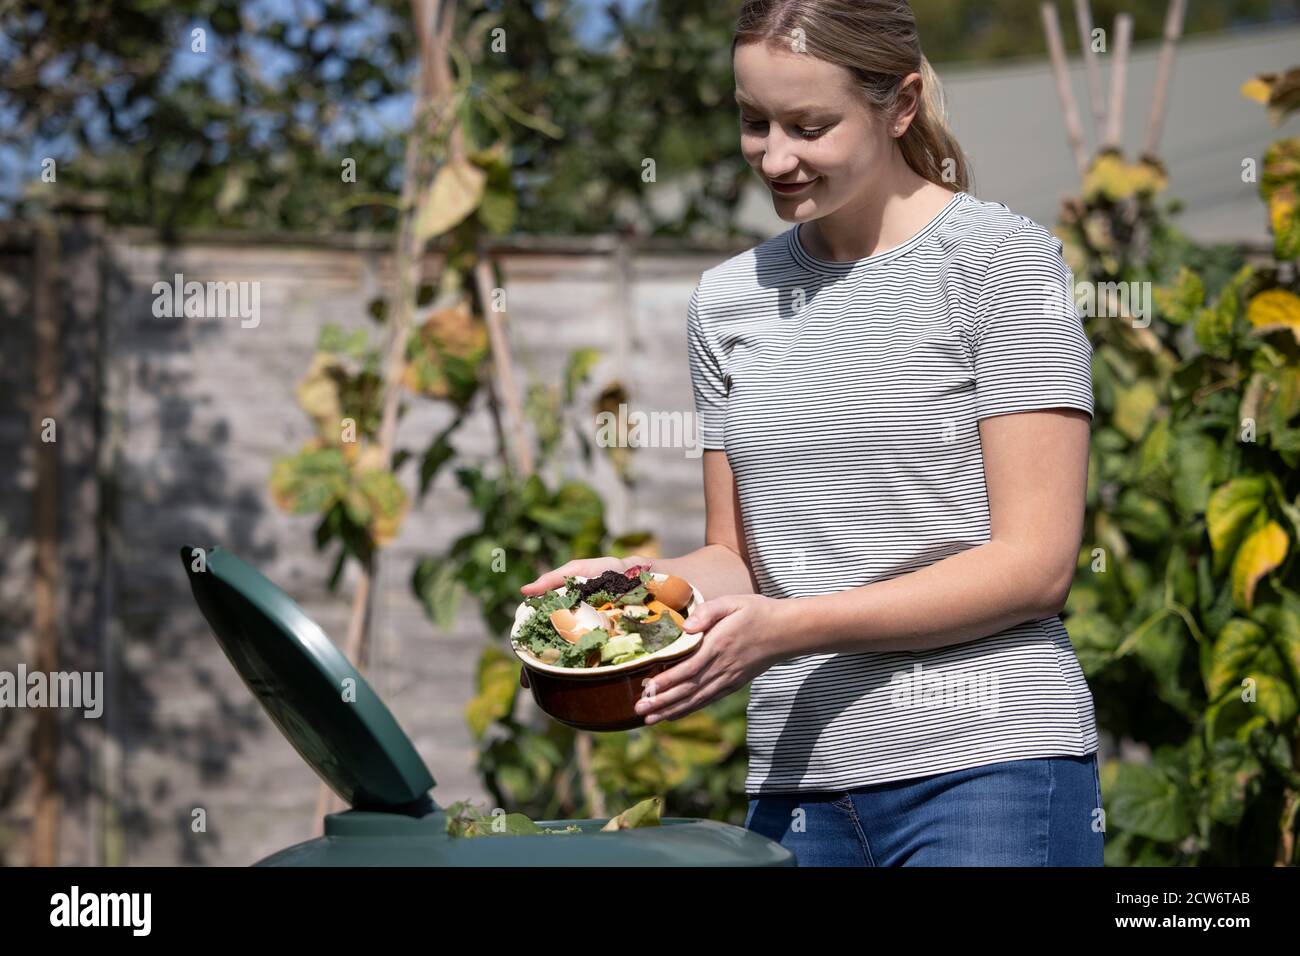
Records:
x=742, y=633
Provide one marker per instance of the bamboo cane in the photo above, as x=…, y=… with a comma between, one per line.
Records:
x=1073, y=128
x=1164, y=70
x=1118, y=82
x=45, y=568
x=1092, y=65
x=433, y=22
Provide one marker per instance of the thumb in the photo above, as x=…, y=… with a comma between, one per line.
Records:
x=709, y=613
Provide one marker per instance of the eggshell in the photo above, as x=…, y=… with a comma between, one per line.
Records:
x=672, y=591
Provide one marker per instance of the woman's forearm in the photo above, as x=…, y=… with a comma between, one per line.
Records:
x=969, y=595
x=714, y=569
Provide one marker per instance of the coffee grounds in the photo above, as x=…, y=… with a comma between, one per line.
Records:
x=611, y=582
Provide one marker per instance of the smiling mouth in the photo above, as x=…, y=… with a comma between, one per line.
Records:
x=786, y=189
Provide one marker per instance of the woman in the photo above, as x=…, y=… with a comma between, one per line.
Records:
x=894, y=399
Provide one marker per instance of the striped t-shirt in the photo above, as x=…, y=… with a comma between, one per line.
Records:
x=846, y=396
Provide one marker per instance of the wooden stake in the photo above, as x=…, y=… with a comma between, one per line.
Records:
x=1118, y=82
x=520, y=451
x=433, y=25
x=1073, y=128
x=1096, y=94
x=1164, y=70
x=45, y=572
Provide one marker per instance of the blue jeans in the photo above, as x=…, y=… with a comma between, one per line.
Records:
x=1043, y=811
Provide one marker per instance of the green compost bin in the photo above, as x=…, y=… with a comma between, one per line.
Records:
x=347, y=735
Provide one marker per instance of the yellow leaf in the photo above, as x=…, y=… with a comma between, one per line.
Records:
x=456, y=191
x=1257, y=89
x=1260, y=553
x=1134, y=408
x=1111, y=177
x=318, y=394
x=1275, y=309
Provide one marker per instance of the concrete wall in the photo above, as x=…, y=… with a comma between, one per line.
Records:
x=193, y=412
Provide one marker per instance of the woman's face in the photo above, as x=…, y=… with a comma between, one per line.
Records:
x=802, y=124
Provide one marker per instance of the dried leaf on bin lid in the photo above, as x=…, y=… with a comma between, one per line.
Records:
x=647, y=813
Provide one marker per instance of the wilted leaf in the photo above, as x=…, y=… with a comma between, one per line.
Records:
x=318, y=394
x=1279, y=92
x=455, y=193
x=311, y=481
x=1275, y=309
x=644, y=814
x=1261, y=552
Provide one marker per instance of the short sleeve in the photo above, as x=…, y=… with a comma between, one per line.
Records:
x=708, y=381
x=1029, y=347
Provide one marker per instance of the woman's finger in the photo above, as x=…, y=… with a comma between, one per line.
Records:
x=709, y=613
x=701, y=695
x=655, y=695
x=582, y=567
x=551, y=579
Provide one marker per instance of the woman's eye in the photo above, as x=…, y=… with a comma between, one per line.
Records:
x=805, y=133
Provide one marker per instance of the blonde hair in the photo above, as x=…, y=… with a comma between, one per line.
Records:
x=876, y=41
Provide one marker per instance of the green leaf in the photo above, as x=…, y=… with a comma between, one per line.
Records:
x=1095, y=638
x=1233, y=777
x=498, y=681
x=1133, y=409
x=1229, y=513
x=578, y=370
x=1282, y=621
x=435, y=583
x=1244, y=652
x=1143, y=799
x=1213, y=331
x=1179, y=301
x=1142, y=516
x=1195, y=454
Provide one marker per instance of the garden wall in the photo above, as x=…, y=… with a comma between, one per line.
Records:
x=167, y=429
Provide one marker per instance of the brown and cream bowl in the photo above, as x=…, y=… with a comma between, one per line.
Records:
x=600, y=698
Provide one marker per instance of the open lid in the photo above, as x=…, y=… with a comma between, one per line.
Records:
x=315, y=696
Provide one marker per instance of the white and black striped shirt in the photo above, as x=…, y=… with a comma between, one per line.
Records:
x=846, y=397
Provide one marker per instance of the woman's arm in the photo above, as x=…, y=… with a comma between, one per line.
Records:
x=721, y=566
x=1036, y=473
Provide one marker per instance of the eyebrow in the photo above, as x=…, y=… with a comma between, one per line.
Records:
x=796, y=111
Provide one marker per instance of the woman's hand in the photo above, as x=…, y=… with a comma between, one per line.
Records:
x=582, y=568
x=742, y=638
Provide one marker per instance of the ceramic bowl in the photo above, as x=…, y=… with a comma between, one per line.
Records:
x=600, y=698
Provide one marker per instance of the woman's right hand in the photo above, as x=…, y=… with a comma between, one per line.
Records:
x=583, y=568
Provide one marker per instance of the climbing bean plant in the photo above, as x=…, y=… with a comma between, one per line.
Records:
x=1185, y=611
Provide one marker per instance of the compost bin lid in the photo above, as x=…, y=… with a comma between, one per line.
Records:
x=315, y=696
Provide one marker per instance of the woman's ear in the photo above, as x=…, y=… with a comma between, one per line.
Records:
x=910, y=89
